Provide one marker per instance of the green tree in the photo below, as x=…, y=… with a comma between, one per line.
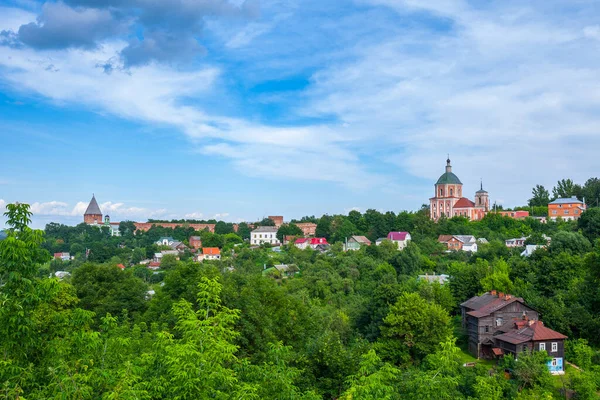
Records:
x=566, y=188
x=408, y=331
x=243, y=231
x=591, y=192
x=127, y=228
x=197, y=363
x=289, y=230
x=540, y=196
x=589, y=223
x=324, y=227
x=223, y=228
x=374, y=380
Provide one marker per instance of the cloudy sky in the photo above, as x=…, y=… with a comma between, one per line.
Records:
x=240, y=109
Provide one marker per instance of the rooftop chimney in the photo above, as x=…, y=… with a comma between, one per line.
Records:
x=501, y=295
x=493, y=292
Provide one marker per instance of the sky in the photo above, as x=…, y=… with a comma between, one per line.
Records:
x=238, y=109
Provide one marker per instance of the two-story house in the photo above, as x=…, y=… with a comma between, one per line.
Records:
x=567, y=209
x=532, y=335
x=264, y=234
x=498, y=323
x=459, y=242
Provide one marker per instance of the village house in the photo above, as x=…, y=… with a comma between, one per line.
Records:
x=355, y=242
x=567, y=209
x=301, y=243
x=401, y=239
x=264, y=234
x=459, y=242
x=195, y=242
x=282, y=271
x=62, y=256
x=165, y=241
x=498, y=324
x=208, y=254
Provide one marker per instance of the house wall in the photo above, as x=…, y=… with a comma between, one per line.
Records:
x=257, y=238
x=568, y=211
x=476, y=327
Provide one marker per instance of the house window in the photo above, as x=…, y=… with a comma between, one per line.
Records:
x=524, y=347
x=498, y=321
x=542, y=346
x=554, y=363
x=554, y=347
x=576, y=211
x=487, y=329
x=554, y=212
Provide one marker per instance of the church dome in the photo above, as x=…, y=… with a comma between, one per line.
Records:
x=448, y=178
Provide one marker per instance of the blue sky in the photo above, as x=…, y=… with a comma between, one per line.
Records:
x=242, y=109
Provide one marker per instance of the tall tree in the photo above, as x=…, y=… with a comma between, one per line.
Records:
x=540, y=196
x=566, y=188
x=591, y=192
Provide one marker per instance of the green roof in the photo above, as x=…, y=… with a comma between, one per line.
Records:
x=448, y=178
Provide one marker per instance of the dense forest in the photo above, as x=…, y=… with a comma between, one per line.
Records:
x=348, y=325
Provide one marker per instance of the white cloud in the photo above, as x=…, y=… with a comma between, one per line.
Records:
x=220, y=216
x=592, y=32
x=194, y=215
x=154, y=94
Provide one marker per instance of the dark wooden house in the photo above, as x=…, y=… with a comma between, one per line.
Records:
x=498, y=323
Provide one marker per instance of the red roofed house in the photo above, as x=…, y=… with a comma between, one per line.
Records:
x=154, y=265
x=301, y=243
x=62, y=256
x=499, y=323
x=400, y=238
x=314, y=242
x=209, y=253
x=449, y=201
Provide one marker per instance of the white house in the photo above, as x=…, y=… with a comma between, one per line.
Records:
x=264, y=234
x=165, y=241
x=400, y=238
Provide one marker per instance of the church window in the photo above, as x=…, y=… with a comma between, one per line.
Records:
x=441, y=192
x=451, y=192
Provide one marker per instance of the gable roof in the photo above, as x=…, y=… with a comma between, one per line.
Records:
x=463, y=202
x=93, y=208
x=268, y=229
x=466, y=238
x=528, y=331
x=315, y=241
x=572, y=200
x=361, y=239
x=488, y=303
x=301, y=240
x=444, y=238
x=401, y=236
x=211, y=251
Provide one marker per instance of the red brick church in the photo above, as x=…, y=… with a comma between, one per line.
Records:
x=449, y=201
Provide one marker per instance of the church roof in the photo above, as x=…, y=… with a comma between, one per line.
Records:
x=93, y=208
x=448, y=178
x=464, y=203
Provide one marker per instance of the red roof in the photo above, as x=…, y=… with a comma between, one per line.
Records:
x=497, y=351
x=301, y=240
x=153, y=264
x=211, y=251
x=316, y=241
x=400, y=236
x=463, y=202
x=121, y=266
x=533, y=330
x=445, y=238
